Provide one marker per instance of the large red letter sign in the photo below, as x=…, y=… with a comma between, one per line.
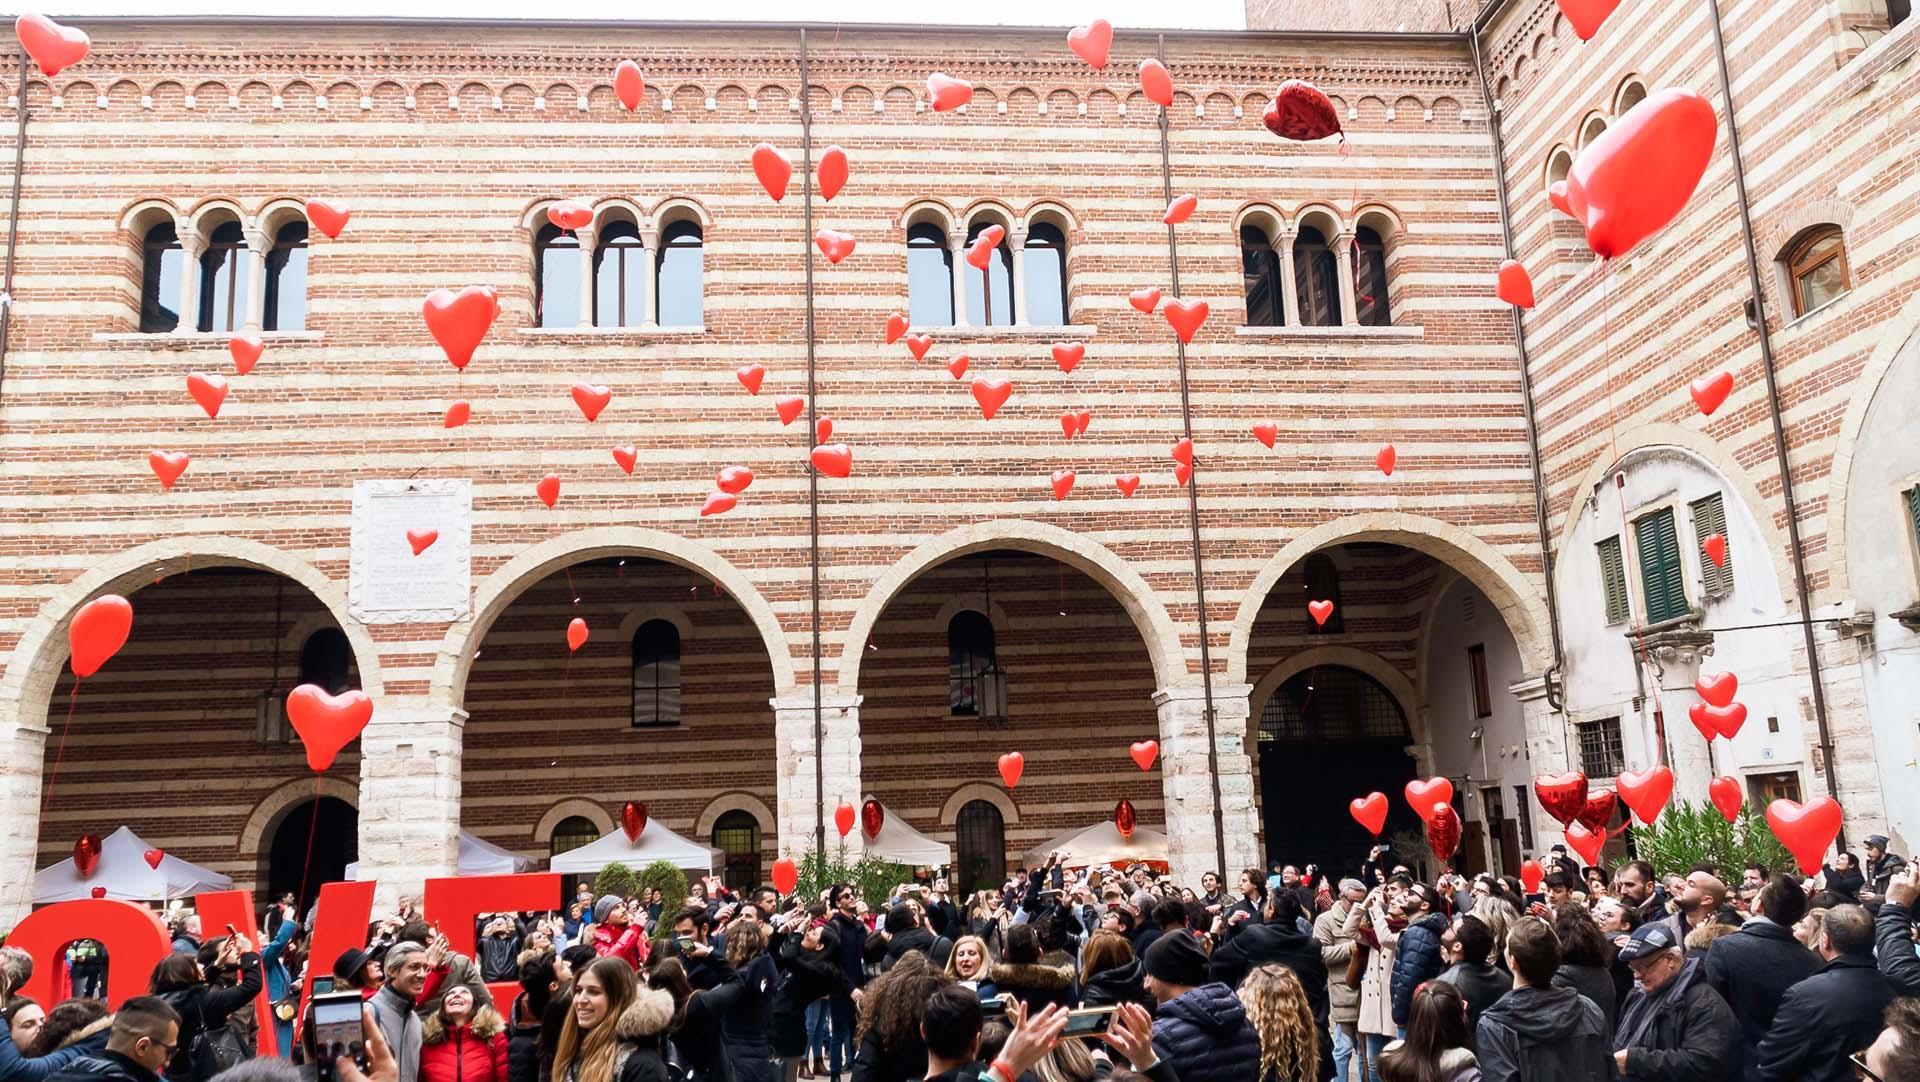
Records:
x=135, y=940
x=454, y=903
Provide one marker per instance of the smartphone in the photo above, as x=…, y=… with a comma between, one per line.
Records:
x=685, y=941
x=1088, y=1021
x=322, y=985
x=338, y=1030
x=232, y=931
x=993, y=1007
x=1059, y=876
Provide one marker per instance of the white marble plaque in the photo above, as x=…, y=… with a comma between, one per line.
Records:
x=386, y=582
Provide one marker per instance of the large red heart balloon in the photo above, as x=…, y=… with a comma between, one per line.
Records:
x=1180, y=209
x=751, y=376
x=1182, y=473
x=832, y=172
x=1156, y=83
x=1710, y=391
x=1370, y=811
x=1300, y=111
x=1092, y=42
x=576, y=634
x=1632, y=180
x=633, y=819
x=1068, y=425
x=823, y=430
x=733, y=479
x=1068, y=355
x=773, y=168
x=97, y=632
x=980, y=252
x=1725, y=793
x=326, y=723
x=1145, y=300
x=897, y=328
x=1124, y=818
x=1586, y=842
x=1598, y=811
x=1805, y=829
x=570, y=215
x=1443, y=831
x=1697, y=713
x=991, y=394
x=833, y=244
x=1183, y=451
x=626, y=455
x=1423, y=795
x=1564, y=796
x=422, y=540
x=1320, y=610
x=1266, y=432
x=872, y=818
x=1585, y=16
x=833, y=459
x=167, y=466
x=628, y=84
x=1532, y=875
x=153, y=857
x=718, y=503
x=1717, y=688
x=52, y=46
x=1715, y=546
x=1063, y=483
x=789, y=407
x=947, y=93
x=1012, y=764
x=918, y=345
x=330, y=217
x=843, y=818
x=459, y=413
x=245, y=350
x=1385, y=459
x=1185, y=317
x=207, y=389
x=458, y=321
x=957, y=367
x=1126, y=483
x=591, y=398
x=1515, y=285
x=1645, y=791
x=1144, y=753
x=86, y=855
x=785, y=876
x=1726, y=720
x=548, y=489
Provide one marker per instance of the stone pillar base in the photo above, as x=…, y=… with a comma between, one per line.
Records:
x=799, y=818
x=409, y=797
x=23, y=752
x=1189, y=781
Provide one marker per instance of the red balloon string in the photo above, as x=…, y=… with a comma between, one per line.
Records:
x=566, y=682
x=46, y=795
x=306, y=862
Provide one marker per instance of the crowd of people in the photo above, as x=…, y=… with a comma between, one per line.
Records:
x=1060, y=975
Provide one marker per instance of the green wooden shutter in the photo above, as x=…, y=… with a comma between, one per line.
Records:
x=1661, y=578
x=1613, y=580
x=1709, y=518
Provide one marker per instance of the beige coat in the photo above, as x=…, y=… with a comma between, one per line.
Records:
x=1336, y=948
x=1376, y=988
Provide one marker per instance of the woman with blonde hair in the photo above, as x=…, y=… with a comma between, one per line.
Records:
x=968, y=963
x=1070, y=1061
x=616, y=1030
x=1498, y=915
x=1277, y=1006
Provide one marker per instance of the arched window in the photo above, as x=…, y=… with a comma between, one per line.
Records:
x=1045, y=264
x=1594, y=128
x=991, y=305
x=1316, y=278
x=981, y=844
x=1632, y=93
x=286, y=299
x=162, y=262
x=1331, y=704
x=619, y=285
x=223, y=280
x=326, y=659
x=975, y=687
x=1370, y=278
x=656, y=674
x=1260, y=268
x=1323, y=584
x=1559, y=166
x=738, y=836
x=679, y=293
x=572, y=832
x=1817, y=266
x=929, y=277
x=556, y=277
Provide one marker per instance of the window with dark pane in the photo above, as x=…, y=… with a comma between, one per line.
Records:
x=223, y=280
x=1709, y=519
x=980, y=843
x=162, y=262
x=1613, y=580
x=1316, y=278
x=656, y=674
x=929, y=277
x=1322, y=584
x=1602, y=755
x=556, y=277
x=1331, y=704
x=1370, y=279
x=971, y=666
x=573, y=832
x=681, y=265
x=1260, y=272
x=1662, y=581
x=326, y=660
x=285, y=306
x=738, y=836
x=1523, y=816
x=998, y=284
x=619, y=276
x=1477, y=674
x=1046, y=270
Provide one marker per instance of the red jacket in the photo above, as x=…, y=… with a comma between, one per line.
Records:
x=627, y=943
x=460, y=1055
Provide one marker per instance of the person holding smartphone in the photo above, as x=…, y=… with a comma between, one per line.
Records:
x=180, y=981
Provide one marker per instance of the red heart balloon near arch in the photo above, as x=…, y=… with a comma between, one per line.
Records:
x=1710, y=391
x=633, y=819
x=576, y=634
x=1180, y=209
x=52, y=46
x=1092, y=42
x=843, y=818
x=628, y=84
x=832, y=172
x=872, y=818
x=785, y=876
x=773, y=169
x=1063, y=483
x=1182, y=451
x=167, y=466
x=591, y=398
x=1631, y=181
x=1384, y=460
x=733, y=479
x=245, y=349
x=1266, y=432
x=459, y=413
x=788, y=407
x=1557, y=198
x=98, y=892
x=459, y=321
x=1144, y=753
x=97, y=632
x=1320, y=611
x=918, y=345
x=1299, y=111
x=1370, y=811
x=1185, y=317
x=957, y=367
x=326, y=723
x=1156, y=82
x=1646, y=792
x=548, y=489
x=751, y=376
x=86, y=855
x=1423, y=794
x=1443, y=831
x=1145, y=300
x=1012, y=765
x=570, y=215
x=330, y=217
x=991, y=394
x=947, y=93
x=718, y=503
x=834, y=244
x=625, y=456
x=1727, y=798
x=1564, y=796
x=1126, y=483
x=1805, y=829
x=832, y=459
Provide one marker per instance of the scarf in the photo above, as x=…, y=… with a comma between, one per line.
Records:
x=1643, y=1009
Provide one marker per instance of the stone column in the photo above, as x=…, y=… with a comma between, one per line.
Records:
x=1343, y=253
x=190, y=248
x=650, y=278
x=957, y=253
x=410, y=796
x=22, y=758
x=1188, y=783
x=1676, y=652
x=1018, y=295
x=1547, y=753
x=1289, y=289
x=839, y=760
x=587, y=292
x=258, y=244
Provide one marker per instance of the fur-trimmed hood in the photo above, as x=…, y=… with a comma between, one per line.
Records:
x=1026, y=975
x=485, y=1023
x=647, y=1016
x=98, y=1025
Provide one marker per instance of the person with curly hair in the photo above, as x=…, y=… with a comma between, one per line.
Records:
x=71, y=1021
x=1436, y=1048
x=1277, y=1006
x=891, y=1045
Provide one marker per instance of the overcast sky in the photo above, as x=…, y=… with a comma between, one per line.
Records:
x=1159, y=14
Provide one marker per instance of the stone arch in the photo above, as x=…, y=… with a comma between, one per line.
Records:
x=567, y=809
x=1382, y=218
x=734, y=801
x=681, y=208
x=1840, y=477
x=979, y=790
x=1514, y=594
x=1347, y=657
x=955, y=606
x=1143, y=606
x=279, y=212
x=643, y=614
x=146, y=214
x=1791, y=222
x=992, y=210
x=511, y=579
x=1321, y=216
x=932, y=211
x=1263, y=215
x=275, y=806
x=1623, y=95
x=1048, y=210
x=618, y=208
x=213, y=207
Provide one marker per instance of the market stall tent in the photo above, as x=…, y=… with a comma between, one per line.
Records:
x=124, y=872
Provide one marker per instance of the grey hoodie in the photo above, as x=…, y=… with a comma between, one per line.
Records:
x=1544, y=1033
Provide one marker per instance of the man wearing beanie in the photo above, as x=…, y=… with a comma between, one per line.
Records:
x=614, y=934
x=1201, y=1029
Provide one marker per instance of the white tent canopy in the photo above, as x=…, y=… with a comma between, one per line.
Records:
x=899, y=842
x=124, y=872
x=479, y=856
x=1101, y=843
x=656, y=843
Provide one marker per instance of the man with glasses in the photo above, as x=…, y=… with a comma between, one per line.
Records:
x=146, y=1033
x=1674, y=1025
x=1895, y=1054
x=1827, y=1014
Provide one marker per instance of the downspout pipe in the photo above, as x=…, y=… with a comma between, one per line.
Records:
x=13, y=217
x=1526, y=382
x=813, y=475
x=1767, y=366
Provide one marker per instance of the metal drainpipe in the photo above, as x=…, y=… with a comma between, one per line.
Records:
x=1526, y=380
x=13, y=216
x=1773, y=414
x=813, y=475
x=1193, y=503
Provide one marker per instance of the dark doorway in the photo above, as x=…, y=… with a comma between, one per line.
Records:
x=1328, y=735
x=982, y=836
x=336, y=843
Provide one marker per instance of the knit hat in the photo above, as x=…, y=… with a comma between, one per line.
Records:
x=603, y=908
x=1177, y=959
x=1878, y=841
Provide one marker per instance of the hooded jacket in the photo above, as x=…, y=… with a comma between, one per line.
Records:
x=1481, y=986
x=1121, y=984
x=642, y=1030
x=1752, y=969
x=1820, y=1021
x=1691, y=1035
x=805, y=976
x=1205, y=1034
x=1594, y=982
x=1034, y=984
x=474, y=1051
x=1532, y=1034
x=1416, y=960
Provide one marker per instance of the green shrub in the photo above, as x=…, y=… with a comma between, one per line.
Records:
x=1688, y=834
x=671, y=881
x=872, y=877
x=616, y=879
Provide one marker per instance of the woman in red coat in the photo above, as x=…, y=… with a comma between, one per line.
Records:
x=462, y=1044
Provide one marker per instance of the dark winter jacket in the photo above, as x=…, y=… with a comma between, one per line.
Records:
x=104, y=1066
x=1881, y=872
x=701, y=1040
x=1033, y=984
x=1535, y=1034
x=1481, y=986
x=852, y=934
x=1205, y=1035
x=1594, y=982
x=1821, y=1021
x=642, y=1029
x=1416, y=960
x=523, y=1047
x=936, y=948
x=203, y=1007
x=1893, y=936
x=1120, y=984
x=904, y=1062
x=15, y=1067
x=745, y=1004
x=805, y=977
x=497, y=957
x=1259, y=944
x=1846, y=884
x=476, y=1052
x=1752, y=969
x=1692, y=1036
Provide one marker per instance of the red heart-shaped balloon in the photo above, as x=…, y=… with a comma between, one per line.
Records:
x=207, y=389
x=459, y=321
x=823, y=430
x=718, y=503
x=1183, y=451
x=785, y=876
x=1645, y=791
x=833, y=244
x=897, y=328
x=1092, y=42
x=1370, y=811
x=1180, y=209
x=1144, y=753
x=980, y=252
x=1320, y=610
x=733, y=479
x=1599, y=810
x=1156, y=83
x=1637, y=175
x=1715, y=546
x=153, y=857
x=98, y=892
x=570, y=215
x=1068, y=424
x=1710, y=391
x=1125, y=819
x=633, y=819
x=576, y=634
x=1062, y=483
x=626, y=455
x=773, y=168
x=1068, y=355
x=1805, y=829
x=991, y=394
x=1185, y=317
x=326, y=723
x=1532, y=875
x=97, y=632
x=872, y=818
x=245, y=350
x=1717, y=688
x=1697, y=713
x=1515, y=284
x=843, y=818
x=591, y=398
x=1145, y=300
x=422, y=540
x=1725, y=720
x=918, y=345
x=1081, y=419
x=52, y=46
x=1012, y=764
x=1726, y=796
x=1586, y=843
x=330, y=217
x=789, y=407
x=1299, y=111
x=751, y=376
x=86, y=855
x=832, y=172
x=947, y=93
x=1385, y=459
x=1443, y=831
x=1564, y=796
x=833, y=459
x=459, y=413
x=1126, y=483
x=628, y=84
x=1266, y=432
x=1182, y=473
x=167, y=466
x=1422, y=795
x=957, y=367
x=1585, y=16
x=548, y=489
x=1557, y=198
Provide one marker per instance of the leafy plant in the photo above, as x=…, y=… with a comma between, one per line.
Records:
x=872, y=877
x=671, y=881
x=616, y=879
x=1688, y=834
